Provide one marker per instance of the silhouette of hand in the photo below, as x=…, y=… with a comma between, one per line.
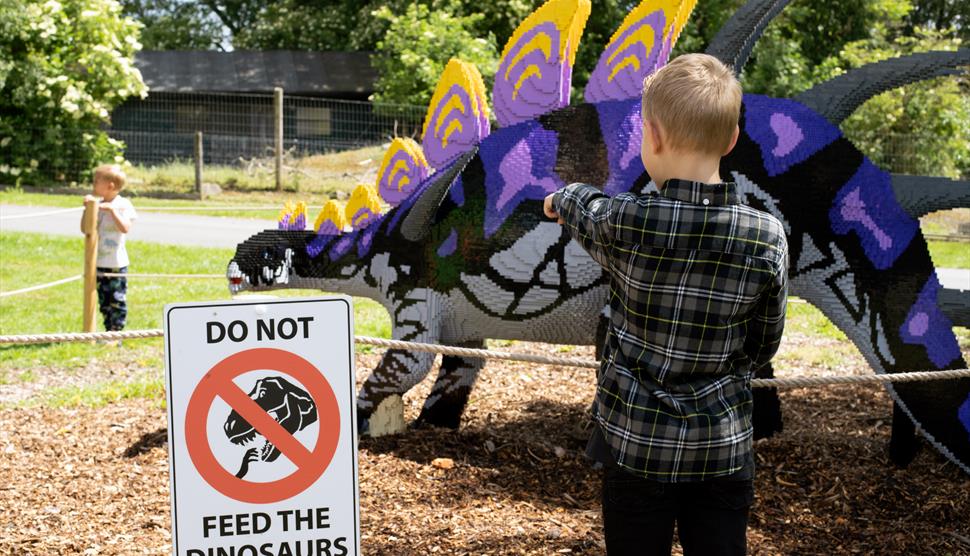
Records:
x=252, y=455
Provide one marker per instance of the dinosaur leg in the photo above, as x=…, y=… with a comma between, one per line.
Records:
x=397, y=372
x=602, y=329
x=904, y=443
x=415, y=320
x=448, y=397
x=766, y=408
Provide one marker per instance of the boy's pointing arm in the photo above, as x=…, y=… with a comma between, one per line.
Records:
x=587, y=215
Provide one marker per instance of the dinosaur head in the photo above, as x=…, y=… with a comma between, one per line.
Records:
x=289, y=405
x=270, y=259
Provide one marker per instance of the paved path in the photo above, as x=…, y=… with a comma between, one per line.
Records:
x=158, y=227
x=211, y=231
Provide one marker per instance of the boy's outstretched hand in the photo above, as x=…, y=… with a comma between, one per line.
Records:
x=548, y=210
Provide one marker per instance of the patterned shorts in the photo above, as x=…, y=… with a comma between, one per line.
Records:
x=111, y=297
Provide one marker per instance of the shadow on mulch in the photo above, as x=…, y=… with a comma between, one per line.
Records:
x=149, y=440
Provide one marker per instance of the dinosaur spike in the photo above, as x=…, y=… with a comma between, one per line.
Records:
x=838, y=97
x=640, y=46
x=283, y=219
x=919, y=195
x=535, y=73
x=417, y=223
x=734, y=42
x=363, y=207
x=331, y=220
x=457, y=117
x=292, y=217
x=403, y=167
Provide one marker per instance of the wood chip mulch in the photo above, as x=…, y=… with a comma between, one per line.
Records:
x=512, y=480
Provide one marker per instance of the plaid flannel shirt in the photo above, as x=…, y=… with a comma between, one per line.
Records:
x=698, y=290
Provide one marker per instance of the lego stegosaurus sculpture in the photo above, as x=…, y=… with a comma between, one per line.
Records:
x=464, y=254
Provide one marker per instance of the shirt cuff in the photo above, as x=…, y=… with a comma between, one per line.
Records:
x=557, y=198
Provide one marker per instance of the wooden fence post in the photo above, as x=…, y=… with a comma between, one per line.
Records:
x=89, y=225
x=278, y=134
x=198, y=163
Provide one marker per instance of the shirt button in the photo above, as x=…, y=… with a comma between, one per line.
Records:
x=706, y=201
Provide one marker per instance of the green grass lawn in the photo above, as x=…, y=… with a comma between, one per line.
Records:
x=950, y=254
x=29, y=259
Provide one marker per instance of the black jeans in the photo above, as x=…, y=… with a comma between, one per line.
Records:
x=639, y=515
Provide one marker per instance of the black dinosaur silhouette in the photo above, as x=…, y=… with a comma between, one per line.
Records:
x=291, y=406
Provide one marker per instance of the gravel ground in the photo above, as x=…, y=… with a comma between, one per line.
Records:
x=95, y=480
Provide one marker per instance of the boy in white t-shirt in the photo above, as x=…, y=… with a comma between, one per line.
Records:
x=114, y=221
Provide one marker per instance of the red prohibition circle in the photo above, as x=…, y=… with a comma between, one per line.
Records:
x=219, y=382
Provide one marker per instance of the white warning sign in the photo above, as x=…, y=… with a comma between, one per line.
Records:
x=262, y=431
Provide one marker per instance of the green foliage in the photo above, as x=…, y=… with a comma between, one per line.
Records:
x=803, y=35
x=705, y=21
x=417, y=46
x=174, y=24
x=298, y=25
x=941, y=14
x=604, y=18
x=63, y=67
x=921, y=129
x=807, y=33
x=236, y=15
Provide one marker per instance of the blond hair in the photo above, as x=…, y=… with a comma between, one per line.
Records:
x=113, y=174
x=696, y=99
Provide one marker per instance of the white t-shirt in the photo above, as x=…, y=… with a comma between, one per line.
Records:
x=111, y=242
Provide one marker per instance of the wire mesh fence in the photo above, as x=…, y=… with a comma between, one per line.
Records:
x=235, y=127
x=238, y=131
x=918, y=154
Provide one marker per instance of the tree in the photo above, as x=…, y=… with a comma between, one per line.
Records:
x=236, y=15
x=417, y=46
x=352, y=25
x=604, y=19
x=300, y=25
x=175, y=24
x=803, y=35
x=921, y=129
x=940, y=15
x=63, y=67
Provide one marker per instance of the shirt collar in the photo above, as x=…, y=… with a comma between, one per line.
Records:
x=716, y=194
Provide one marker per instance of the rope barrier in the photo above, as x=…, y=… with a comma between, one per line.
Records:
x=795, y=382
x=227, y=207
x=147, y=275
x=795, y=300
x=37, y=214
x=41, y=286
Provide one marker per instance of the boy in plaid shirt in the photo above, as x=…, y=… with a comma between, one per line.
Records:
x=698, y=289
